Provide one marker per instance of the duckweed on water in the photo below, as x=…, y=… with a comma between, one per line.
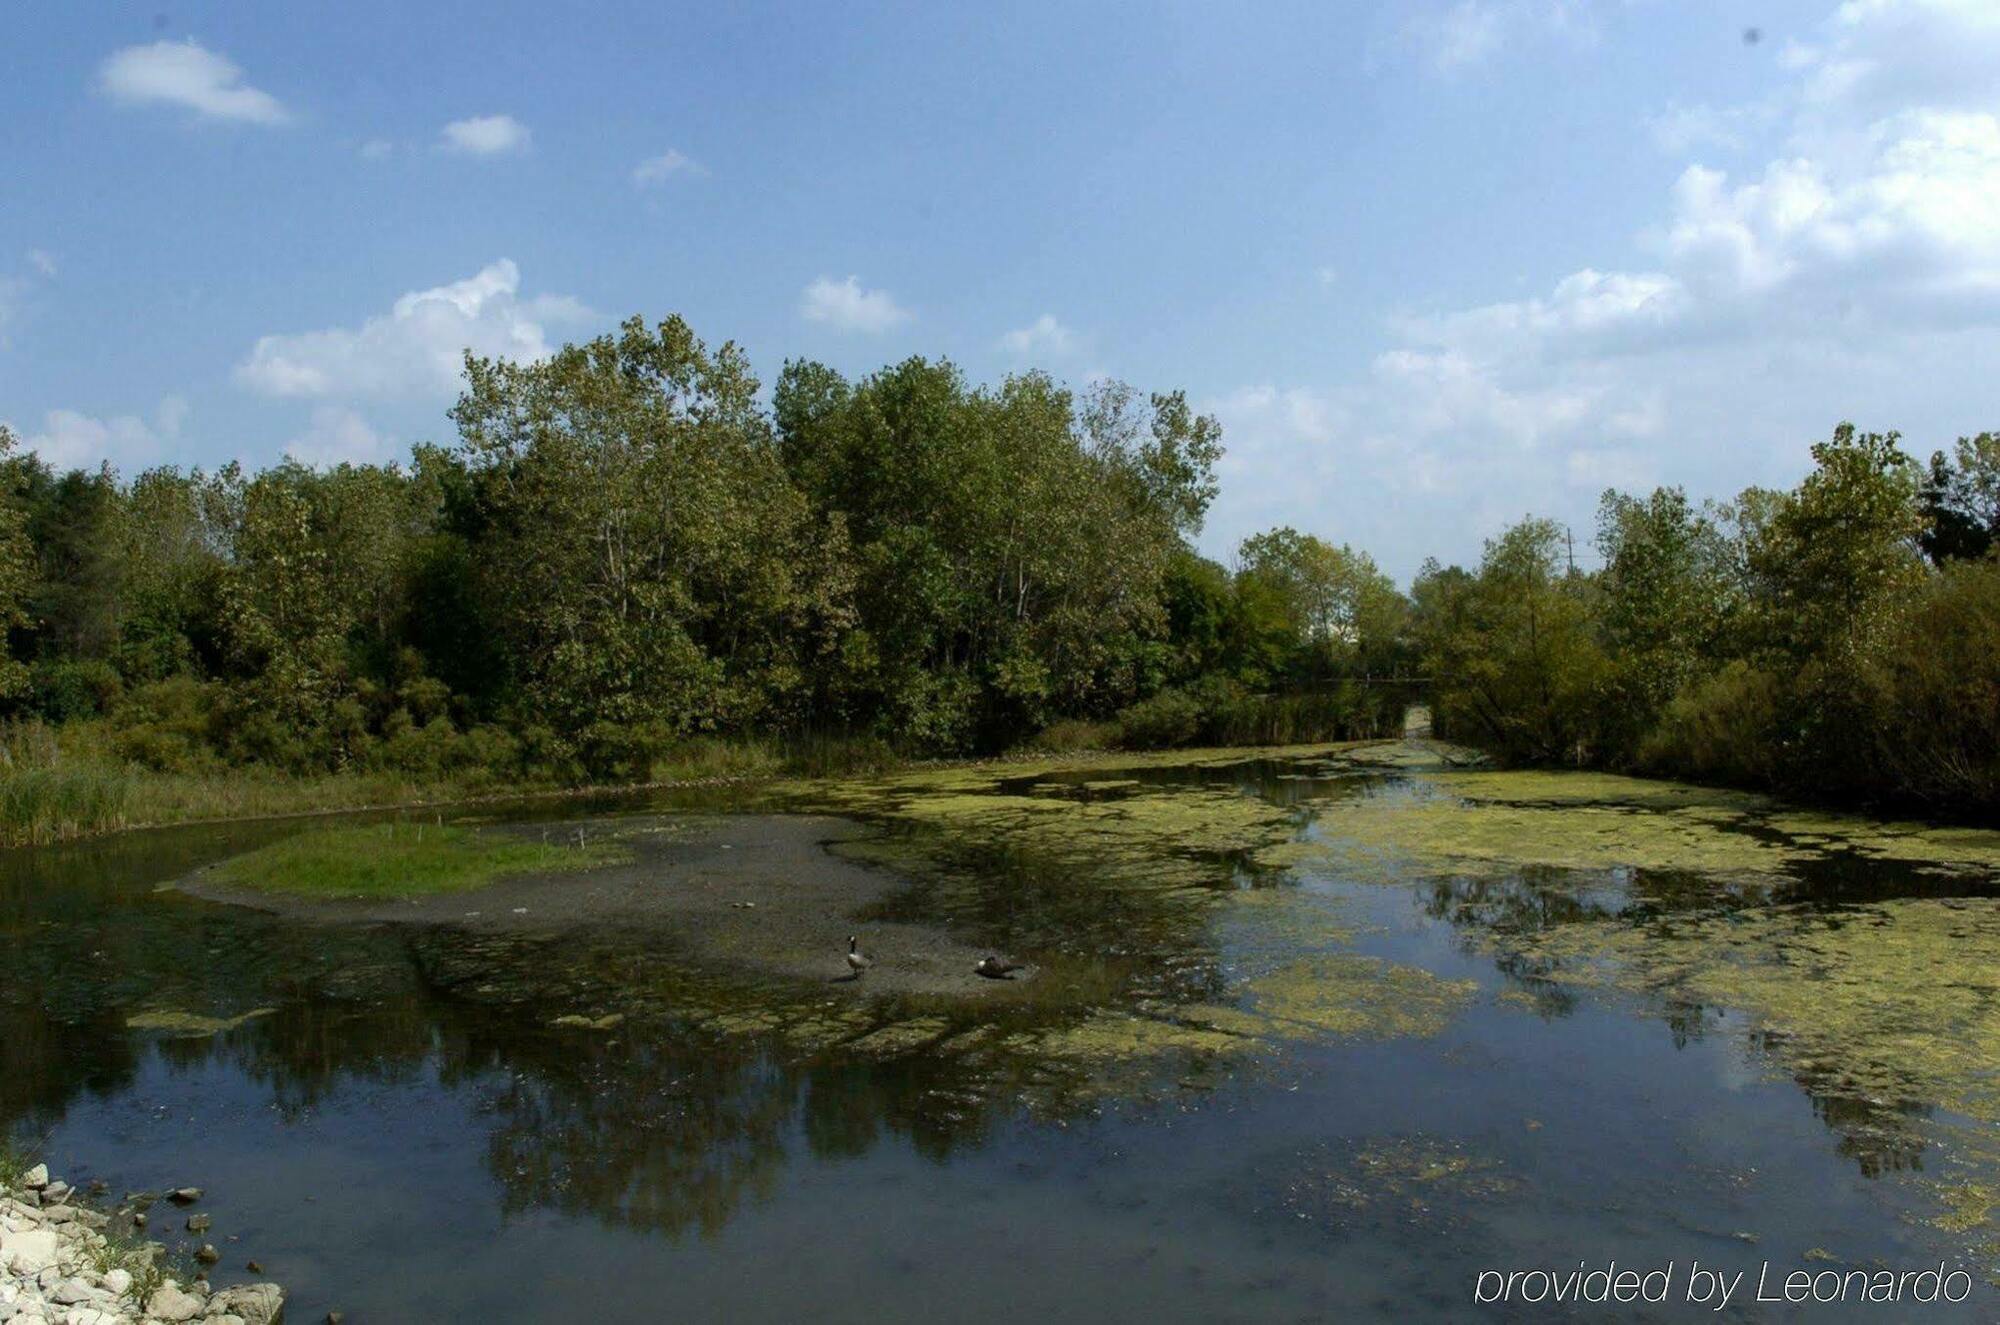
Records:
x=1899, y=1000
x=1343, y=994
x=1595, y=821
x=190, y=1025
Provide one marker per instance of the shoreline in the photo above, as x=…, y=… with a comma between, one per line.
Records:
x=64, y=1260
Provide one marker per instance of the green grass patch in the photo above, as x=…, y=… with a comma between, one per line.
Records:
x=405, y=860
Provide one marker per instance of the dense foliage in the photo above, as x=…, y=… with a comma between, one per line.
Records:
x=625, y=552
x=1841, y=640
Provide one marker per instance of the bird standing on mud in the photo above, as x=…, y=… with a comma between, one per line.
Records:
x=856, y=961
x=996, y=968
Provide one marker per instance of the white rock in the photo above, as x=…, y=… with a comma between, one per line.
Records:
x=257, y=1304
x=36, y=1177
x=70, y=1292
x=118, y=1282
x=171, y=1304
x=29, y=1253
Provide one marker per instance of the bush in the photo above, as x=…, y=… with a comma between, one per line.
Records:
x=65, y=691
x=1722, y=729
x=169, y=726
x=1170, y=718
x=1073, y=735
x=1936, y=688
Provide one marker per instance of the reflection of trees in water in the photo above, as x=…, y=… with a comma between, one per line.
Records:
x=1879, y=1135
x=654, y=1123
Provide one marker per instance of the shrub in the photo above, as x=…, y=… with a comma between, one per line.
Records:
x=1170, y=718
x=64, y=691
x=1724, y=728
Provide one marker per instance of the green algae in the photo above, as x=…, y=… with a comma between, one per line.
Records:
x=1347, y=995
x=191, y=1025
x=1421, y=1182
x=1594, y=821
x=1899, y=1000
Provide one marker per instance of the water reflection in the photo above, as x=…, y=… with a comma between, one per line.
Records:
x=683, y=1099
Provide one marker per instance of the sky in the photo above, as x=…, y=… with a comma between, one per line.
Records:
x=1436, y=264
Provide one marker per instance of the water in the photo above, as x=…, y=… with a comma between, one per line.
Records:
x=403, y=1135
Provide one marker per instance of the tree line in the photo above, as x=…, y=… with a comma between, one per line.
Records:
x=1840, y=640
x=625, y=550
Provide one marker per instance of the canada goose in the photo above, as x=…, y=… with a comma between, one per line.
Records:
x=996, y=968
x=856, y=962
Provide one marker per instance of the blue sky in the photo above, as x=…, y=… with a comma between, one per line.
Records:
x=1436, y=264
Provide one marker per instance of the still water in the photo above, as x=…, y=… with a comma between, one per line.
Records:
x=400, y=1130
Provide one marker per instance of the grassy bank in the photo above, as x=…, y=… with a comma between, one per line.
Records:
x=402, y=860
x=60, y=784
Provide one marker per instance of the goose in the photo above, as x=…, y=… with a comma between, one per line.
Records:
x=996, y=968
x=856, y=962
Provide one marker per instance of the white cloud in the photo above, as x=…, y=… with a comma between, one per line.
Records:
x=42, y=261
x=1045, y=335
x=69, y=439
x=1327, y=276
x=186, y=74
x=656, y=170
x=1464, y=34
x=1852, y=272
x=415, y=350
x=377, y=149
x=338, y=436
x=486, y=135
x=1468, y=33
x=846, y=305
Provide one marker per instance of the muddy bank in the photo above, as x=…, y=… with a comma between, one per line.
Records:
x=760, y=893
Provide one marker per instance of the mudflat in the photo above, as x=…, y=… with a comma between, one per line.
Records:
x=760, y=893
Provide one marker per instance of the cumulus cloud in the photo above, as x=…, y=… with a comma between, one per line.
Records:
x=485, y=135
x=657, y=170
x=1853, y=271
x=413, y=351
x=847, y=306
x=188, y=75
x=1045, y=335
x=70, y=439
x=338, y=436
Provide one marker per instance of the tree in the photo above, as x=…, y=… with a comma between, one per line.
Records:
x=1513, y=650
x=1960, y=501
x=644, y=556
x=17, y=567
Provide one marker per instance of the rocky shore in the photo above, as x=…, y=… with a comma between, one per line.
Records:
x=65, y=1262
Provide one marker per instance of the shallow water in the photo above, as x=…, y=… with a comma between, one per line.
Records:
x=402, y=1133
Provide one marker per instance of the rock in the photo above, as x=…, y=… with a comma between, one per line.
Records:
x=70, y=1292
x=251, y=1267
x=170, y=1303
x=184, y=1195
x=36, y=1177
x=256, y=1304
x=118, y=1282
x=29, y=1253
x=58, y=1214
x=29, y=1197
x=207, y=1254
x=55, y=1190
x=90, y=1218
x=139, y=1220
x=198, y=1223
